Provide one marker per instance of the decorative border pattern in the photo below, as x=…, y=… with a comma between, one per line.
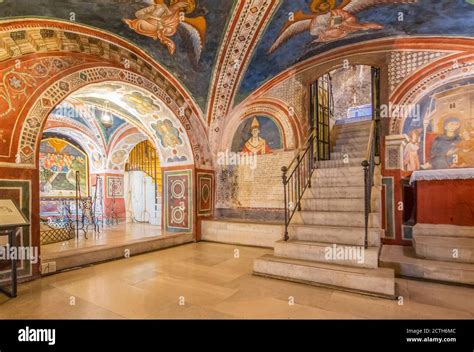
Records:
x=444, y=73
x=205, y=194
x=115, y=183
x=178, y=201
x=245, y=29
x=404, y=63
x=62, y=88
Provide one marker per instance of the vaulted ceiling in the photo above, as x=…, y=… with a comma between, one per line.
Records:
x=224, y=49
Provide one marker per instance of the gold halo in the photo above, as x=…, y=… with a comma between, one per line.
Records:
x=315, y=5
x=191, y=5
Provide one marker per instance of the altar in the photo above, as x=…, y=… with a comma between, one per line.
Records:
x=445, y=196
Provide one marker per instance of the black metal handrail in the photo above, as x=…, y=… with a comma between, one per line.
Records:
x=369, y=166
x=297, y=178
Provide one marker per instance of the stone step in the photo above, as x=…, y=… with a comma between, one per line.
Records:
x=358, y=154
x=376, y=282
x=451, y=249
x=249, y=233
x=338, y=204
x=334, y=218
x=352, y=141
x=351, y=171
x=354, y=181
x=340, y=172
x=363, y=125
x=348, y=148
x=327, y=253
x=349, y=162
x=345, y=133
x=335, y=192
x=348, y=181
x=405, y=263
x=444, y=230
x=335, y=234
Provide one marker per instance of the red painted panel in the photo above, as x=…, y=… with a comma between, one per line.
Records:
x=446, y=202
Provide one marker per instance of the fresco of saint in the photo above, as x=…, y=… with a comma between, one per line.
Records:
x=444, y=148
x=256, y=144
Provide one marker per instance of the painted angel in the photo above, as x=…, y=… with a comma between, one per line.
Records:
x=330, y=22
x=161, y=21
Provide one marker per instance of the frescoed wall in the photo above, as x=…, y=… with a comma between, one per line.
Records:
x=302, y=29
x=442, y=137
x=187, y=48
x=259, y=135
x=249, y=170
x=59, y=163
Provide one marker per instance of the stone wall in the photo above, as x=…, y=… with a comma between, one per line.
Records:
x=244, y=186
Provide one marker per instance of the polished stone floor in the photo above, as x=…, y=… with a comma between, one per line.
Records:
x=208, y=280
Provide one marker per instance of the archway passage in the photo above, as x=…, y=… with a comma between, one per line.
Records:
x=143, y=185
x=101, y=161
x=351, y=90
x=39, y=84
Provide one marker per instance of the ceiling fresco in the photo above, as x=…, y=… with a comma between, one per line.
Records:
x=319, y=25
x=89, y=115
x=188, y=36
x=146, y=113
x=184, y=36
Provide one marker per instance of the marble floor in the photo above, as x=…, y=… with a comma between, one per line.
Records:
x=209, y=280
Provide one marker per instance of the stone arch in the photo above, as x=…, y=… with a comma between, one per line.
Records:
x=41, y=39
x=41, y=107
x=426, y=80
x=279, y=112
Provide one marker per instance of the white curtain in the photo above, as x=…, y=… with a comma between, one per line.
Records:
x=140, y=198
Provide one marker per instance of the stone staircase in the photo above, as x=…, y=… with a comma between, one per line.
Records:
x=331, y=221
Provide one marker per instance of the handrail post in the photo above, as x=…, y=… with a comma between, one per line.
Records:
x=367, y=184
x=310, y=161
x=284, y=169
x=298, y=181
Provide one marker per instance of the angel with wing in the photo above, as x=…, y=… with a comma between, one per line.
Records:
x=329, y=21
x=161, y=21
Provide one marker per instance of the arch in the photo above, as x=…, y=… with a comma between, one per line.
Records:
x=35, y=117
x=120, y=150
x=418, y=85
x=278, y=111
x=81, y=138
x=87, y=54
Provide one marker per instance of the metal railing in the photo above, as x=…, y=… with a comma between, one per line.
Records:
x=369, y=166
x=297, y=178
